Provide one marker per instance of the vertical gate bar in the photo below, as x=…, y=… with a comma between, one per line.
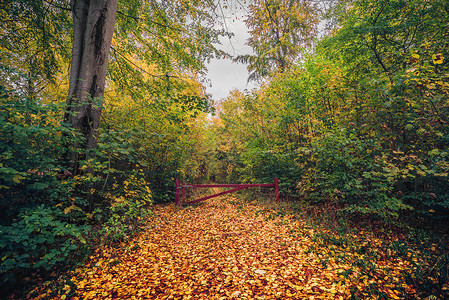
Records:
x=177, y=183
x=276, y=189
x=183, y=192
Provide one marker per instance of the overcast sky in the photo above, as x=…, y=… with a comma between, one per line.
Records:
x=224, y=75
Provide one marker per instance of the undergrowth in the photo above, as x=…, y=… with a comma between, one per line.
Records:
x=367, y=243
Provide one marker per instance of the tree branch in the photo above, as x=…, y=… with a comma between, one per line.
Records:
x=376, y=53
x=154, y=22
x=143, y=70
x=58, y=6
x=131, y=111
x=280, y=59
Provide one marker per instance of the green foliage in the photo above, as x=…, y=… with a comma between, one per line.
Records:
x=262, y=166
x=157, y=45
x=34, y=43
x=30, y=144
x=352, y=171
x=129, y=208
x=38, y=238
x=34, y=233
x=359, y=124
x=155, y=135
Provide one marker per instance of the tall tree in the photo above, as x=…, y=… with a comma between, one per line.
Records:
x=279, y=29
x=93, y=22
x=172, y=37
x=154, y=45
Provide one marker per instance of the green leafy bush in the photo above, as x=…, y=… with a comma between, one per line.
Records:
x=31, y=145
x=38, y=238
x=262, y=166
x=128, y=209
x=352, y=171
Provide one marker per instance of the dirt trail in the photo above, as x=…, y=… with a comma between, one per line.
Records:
x=219, y=249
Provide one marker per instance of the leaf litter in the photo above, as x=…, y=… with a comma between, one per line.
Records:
x=221, y=249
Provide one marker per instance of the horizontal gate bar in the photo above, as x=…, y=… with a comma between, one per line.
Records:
x=180, y=189
x=216, y=195
x=228, y=185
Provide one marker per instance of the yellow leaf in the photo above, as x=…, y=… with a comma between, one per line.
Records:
x=392, y=295
x=17, y=178
x=438, y=58
x=68, y=209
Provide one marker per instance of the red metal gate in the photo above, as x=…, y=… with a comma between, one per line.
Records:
x=181, y=190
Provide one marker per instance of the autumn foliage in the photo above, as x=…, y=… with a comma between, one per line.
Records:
x=353, y=120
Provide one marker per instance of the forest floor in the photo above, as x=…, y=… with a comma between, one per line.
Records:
x=228, y=248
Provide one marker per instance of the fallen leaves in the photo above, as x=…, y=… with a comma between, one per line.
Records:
x=220, y=250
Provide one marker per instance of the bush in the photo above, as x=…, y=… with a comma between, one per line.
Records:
x=38, y=239
x=262, y=166
x=352, y=171
x=31, y=148
x=129, y=210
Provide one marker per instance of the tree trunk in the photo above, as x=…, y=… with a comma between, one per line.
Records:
x=94, y=22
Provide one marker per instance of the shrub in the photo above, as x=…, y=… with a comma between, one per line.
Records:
x=350, y=170
x=38, y=238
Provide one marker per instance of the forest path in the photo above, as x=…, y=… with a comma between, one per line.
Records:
x=220, y=249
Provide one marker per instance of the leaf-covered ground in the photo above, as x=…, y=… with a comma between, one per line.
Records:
x=229, y=249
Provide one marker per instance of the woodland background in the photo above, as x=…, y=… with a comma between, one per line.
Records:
x=356, y=121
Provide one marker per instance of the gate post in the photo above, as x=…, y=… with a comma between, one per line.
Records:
x=178, y=186
x=183, y=192
x=276, y=189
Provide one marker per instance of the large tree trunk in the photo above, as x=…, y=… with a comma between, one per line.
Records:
x=93, y=28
